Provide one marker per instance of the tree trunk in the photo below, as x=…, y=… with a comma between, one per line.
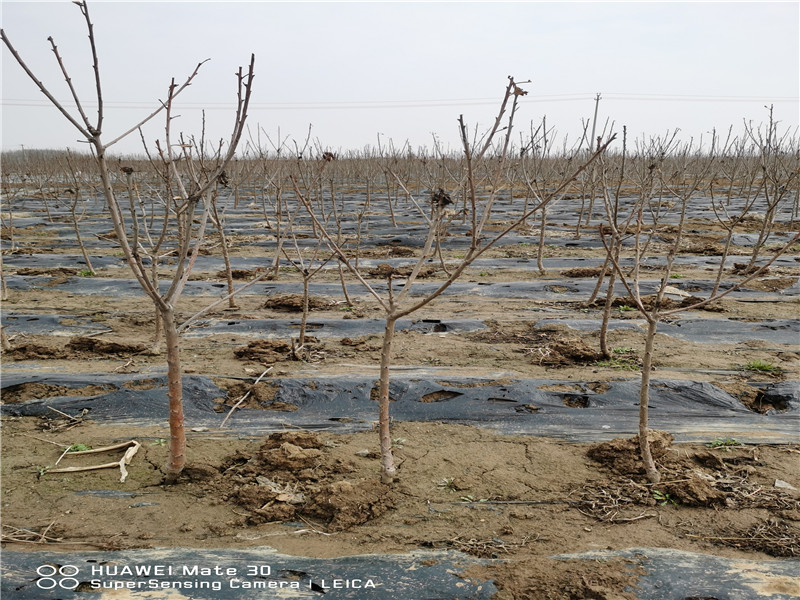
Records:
x=3, y=286
x=177, y=441
x=79, y=239
x=4, y=340
x=304, y=320
x=644, y=400
x=540, y=248
x=387, y=459
x=156, y=347
x=344, y=285
x=607, y=313
x=227, y=260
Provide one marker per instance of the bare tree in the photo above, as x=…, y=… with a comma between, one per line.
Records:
x=187, y=187
x=657, y=194
x=481, y=180
x=77, y=200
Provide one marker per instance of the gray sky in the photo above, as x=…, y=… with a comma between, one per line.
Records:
x=404, y=71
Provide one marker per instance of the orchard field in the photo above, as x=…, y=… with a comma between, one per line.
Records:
x=522, y=285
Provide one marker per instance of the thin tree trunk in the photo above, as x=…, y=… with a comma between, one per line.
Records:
x=389, y=199
x=78, y=235
x=304, y=321
x=225, y=257
x=276, y=267
x=723, y=259
x=3, y=286
x=177, y=442
x=607, y=314
x=6, y=345
x=344, y=285
x=600, y=278
x=644, y=400
x=156, y=347
x=388, y=469
x=540, y=248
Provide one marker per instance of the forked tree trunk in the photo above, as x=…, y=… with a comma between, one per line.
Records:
x=644, y=400
x=177, y=440
x=388, y=469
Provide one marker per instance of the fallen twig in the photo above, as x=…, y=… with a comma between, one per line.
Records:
x=63, y=414
x=132, y=448
x=243, y=398
x=42, y=440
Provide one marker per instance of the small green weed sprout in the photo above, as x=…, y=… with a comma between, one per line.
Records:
x=663, y=498
x=621, y=364
x=626, y=308
x=471, y=498
x=762, y=366
x=723, y=443
x=86, y=273
x=446, y=484
x=79, y=448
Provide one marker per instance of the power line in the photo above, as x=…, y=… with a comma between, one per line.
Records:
x=398, y=104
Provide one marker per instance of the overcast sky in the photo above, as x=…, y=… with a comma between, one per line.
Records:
x=404, y=71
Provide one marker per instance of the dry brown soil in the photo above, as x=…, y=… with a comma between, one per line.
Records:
x=523, y=499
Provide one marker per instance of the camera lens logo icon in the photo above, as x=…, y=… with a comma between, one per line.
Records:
x=51, y=577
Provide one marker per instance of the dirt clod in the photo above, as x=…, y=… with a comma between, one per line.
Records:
x=294, y=303
x=264, y=351
x=621, y=455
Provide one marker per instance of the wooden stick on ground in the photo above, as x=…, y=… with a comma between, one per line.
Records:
x=132, y=448
x=243, y=398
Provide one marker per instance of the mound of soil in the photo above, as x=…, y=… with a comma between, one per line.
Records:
x=548, y=578
x=621, y=456
x=34, y=391
x=551, y=346
x=567, y=351
x=745, y=269
x=291, y=476
x=264, y=351
x=385, y=270
x=703, y=478
x=710, y=307
x=649, y=302
x=258, y=396
x=393, y=250
x=294, y=303
x=47, y=271
x=33, y=351
x=76, y=348
x=771, y=284
x=94, y=346
x=583, y=272
x=239, y=274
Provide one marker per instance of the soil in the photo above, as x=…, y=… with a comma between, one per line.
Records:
x=520, y=499
x=318, y=494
